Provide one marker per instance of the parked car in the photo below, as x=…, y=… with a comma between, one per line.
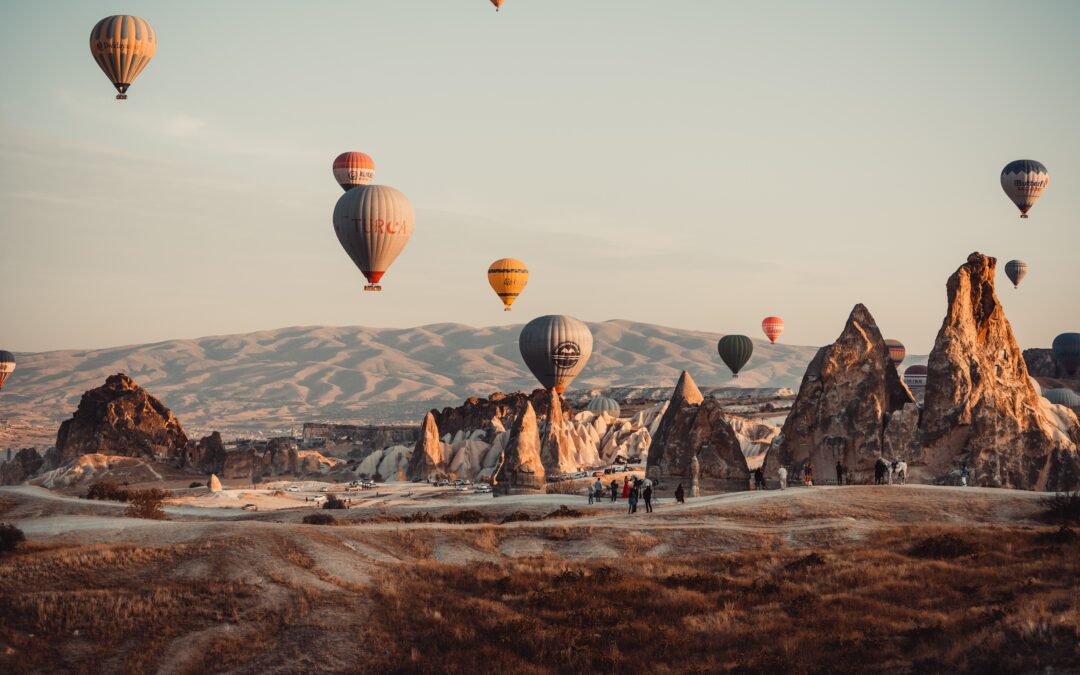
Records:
x=318, y=499
x=250, y=507
x=461, y=488
x=292, y=488
x=368, y=484
x=483, y=489
x=443, y=483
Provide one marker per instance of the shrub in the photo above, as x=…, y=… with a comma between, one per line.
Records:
x=563, y=512
x=1063, y=507
x=107, y=489
x=319, y=519
x=418, y=517
x=377, y=478
x=10, y=538
x=146, y=504
x=196, y=484
x=334, y=502
x=468, y=516
x=516, y=517
x=942, y=547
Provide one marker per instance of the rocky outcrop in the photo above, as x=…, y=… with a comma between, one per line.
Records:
x=281, y=457
x=1041, y=363
x=848, y=393
x=495, y=413
x=427, y=457
x=22, y=466
x=214, y=484
x=521, y=467
x=696, y=428
x=557, y=444
x=207, y=455
x=980, y=406
x=121, y=418
x=239, y=464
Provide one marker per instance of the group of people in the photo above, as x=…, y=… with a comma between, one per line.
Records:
x=885, y=472
x=634, y=490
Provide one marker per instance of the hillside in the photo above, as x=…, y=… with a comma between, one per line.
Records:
x=273, y=381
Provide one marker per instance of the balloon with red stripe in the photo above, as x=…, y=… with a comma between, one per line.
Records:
x=773, y=327
x=896, y=351
x=352, y=169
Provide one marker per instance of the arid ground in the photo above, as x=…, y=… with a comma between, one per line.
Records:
x=854, y=579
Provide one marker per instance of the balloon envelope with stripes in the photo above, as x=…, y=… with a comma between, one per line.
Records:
x=773, y=326
x=735, y=351
x=352, y=169
x=897, y=352
x=556, y=349
x=915, y=376
x=1016, y=270
x=1062, y=396
x=1024, y=181
x=7, y=366
x=507, y=277
x=603, y=405
x=122, y=45
x=373, y=224
x=1066, y=350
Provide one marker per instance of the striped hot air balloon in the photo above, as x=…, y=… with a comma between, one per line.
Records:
x=896, y=351
x=773, y=327
x=7, y=366
x=1062, y=396
x=508, y=277
x=915, y=376
x=1066, y=350
x=556, y=349
x=602, y=405
x=735, y=351
x=122, y=45
x=352, y=169
x=1024, y=180
x=1016, y=270
x=373, y=224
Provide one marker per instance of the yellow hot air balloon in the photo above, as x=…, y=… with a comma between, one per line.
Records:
x=508, y=277
x=122, y=45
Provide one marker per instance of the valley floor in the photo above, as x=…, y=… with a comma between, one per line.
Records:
x=853, y=579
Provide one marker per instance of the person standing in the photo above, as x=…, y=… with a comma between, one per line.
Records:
x=626, y=487
x=964, y=474
x=614, y=490
x=647, y=494
x=808, y=475
x=759, y=479
x=680, y=496
x=632, y=500
x=782, y=475
x=598, y=489
x=592, y=493
x=839, y=473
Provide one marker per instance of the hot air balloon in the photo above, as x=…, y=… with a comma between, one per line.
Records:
x=1062, y=396
x=352, y=169
x=498, y=4
x=1024, y=180
x=1016, y=270
x=373, y=224
x=735, y=351
x=602, y=405
x=1035, y=385
x=508, y=277
x=556, y=349
x=915, y=376
x=896, y=351
x=7, y=366
x=122, y=45
x=773, y=327
x=1067, y=351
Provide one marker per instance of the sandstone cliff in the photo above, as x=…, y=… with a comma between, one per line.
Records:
x=427, y=457
x=520, y=466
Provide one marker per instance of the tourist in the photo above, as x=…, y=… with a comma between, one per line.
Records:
x=964, y=474
x=782, y=475
x=808, y=475
x=839, y=473
x=591, y=493
x=598, y=489
x=632, y=501
x=614, y=490
x=759, y=479
x=647, y=495
x=680, y=496
x=625, y=487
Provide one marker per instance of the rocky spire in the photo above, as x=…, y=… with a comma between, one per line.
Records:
x=847, y=395
x=686, y=393
x=557, y=445
x=427, y=457
x=521, y=467
x=980, y=406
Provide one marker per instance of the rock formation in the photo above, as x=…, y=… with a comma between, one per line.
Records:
x=847, y=395
x=980, y=406
x=214, y=484
x=282, y=456
x=207, y=455
x=427, y=458
x=239, y=464
x=692, y=428
x=22, y=466
x=121, y=418
x=521, y=467
x=1041, y=363
x=557, y=444
x=480, y=413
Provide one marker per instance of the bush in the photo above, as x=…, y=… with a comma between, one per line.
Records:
x=334, y=502
x=418, y=517
x=943, y=547
x=563, y=512
x=107, y=489
x=517, y=517
x=10, y=538
x=145, y=504
x=197, y=484
x=469, y=516
x=319, y=519
x=1063, y=507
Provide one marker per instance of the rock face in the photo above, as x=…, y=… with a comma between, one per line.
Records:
x=121, y=418
x=427, y=458
x=214, y=484
x=848, y=393
x=980, y=406
x=239, y=464
x=480, y=413
x=695, y=428
x=557, y=444
x=521, y=467
x=282, y=456
x=1041, y=363
x=207, y=455
x=22, y=466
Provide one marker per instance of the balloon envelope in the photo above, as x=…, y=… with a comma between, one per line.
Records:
x=556, y=349
x=373, y=224
x=498, y=4
x=915, y=376
x=1024, y=180
x=122, y=45
x=896, y=351
x=1062, y=396
x=735, y=351
x=1067, y=351
x=773, y=327
x=1016, y=270
x=7, y=366
x=602, y=405
x=507, y=277
x=352, y=169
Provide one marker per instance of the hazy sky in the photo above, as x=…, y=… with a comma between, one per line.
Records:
x=697, y=164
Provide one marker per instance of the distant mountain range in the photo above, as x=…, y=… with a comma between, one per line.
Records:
x=272, y=381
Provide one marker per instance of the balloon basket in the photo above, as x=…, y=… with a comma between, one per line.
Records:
x=1023, y=215
x=121, y=97
x=372, y=287
x=506, y=309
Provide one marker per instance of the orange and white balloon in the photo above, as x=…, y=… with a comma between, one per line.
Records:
x=352, y=169
x=122, y=45
x=773, y=327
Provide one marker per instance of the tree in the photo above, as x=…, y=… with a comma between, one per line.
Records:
x=10, y=538
x=145, y=504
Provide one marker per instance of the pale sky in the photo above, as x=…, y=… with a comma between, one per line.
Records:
x=698, y=164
